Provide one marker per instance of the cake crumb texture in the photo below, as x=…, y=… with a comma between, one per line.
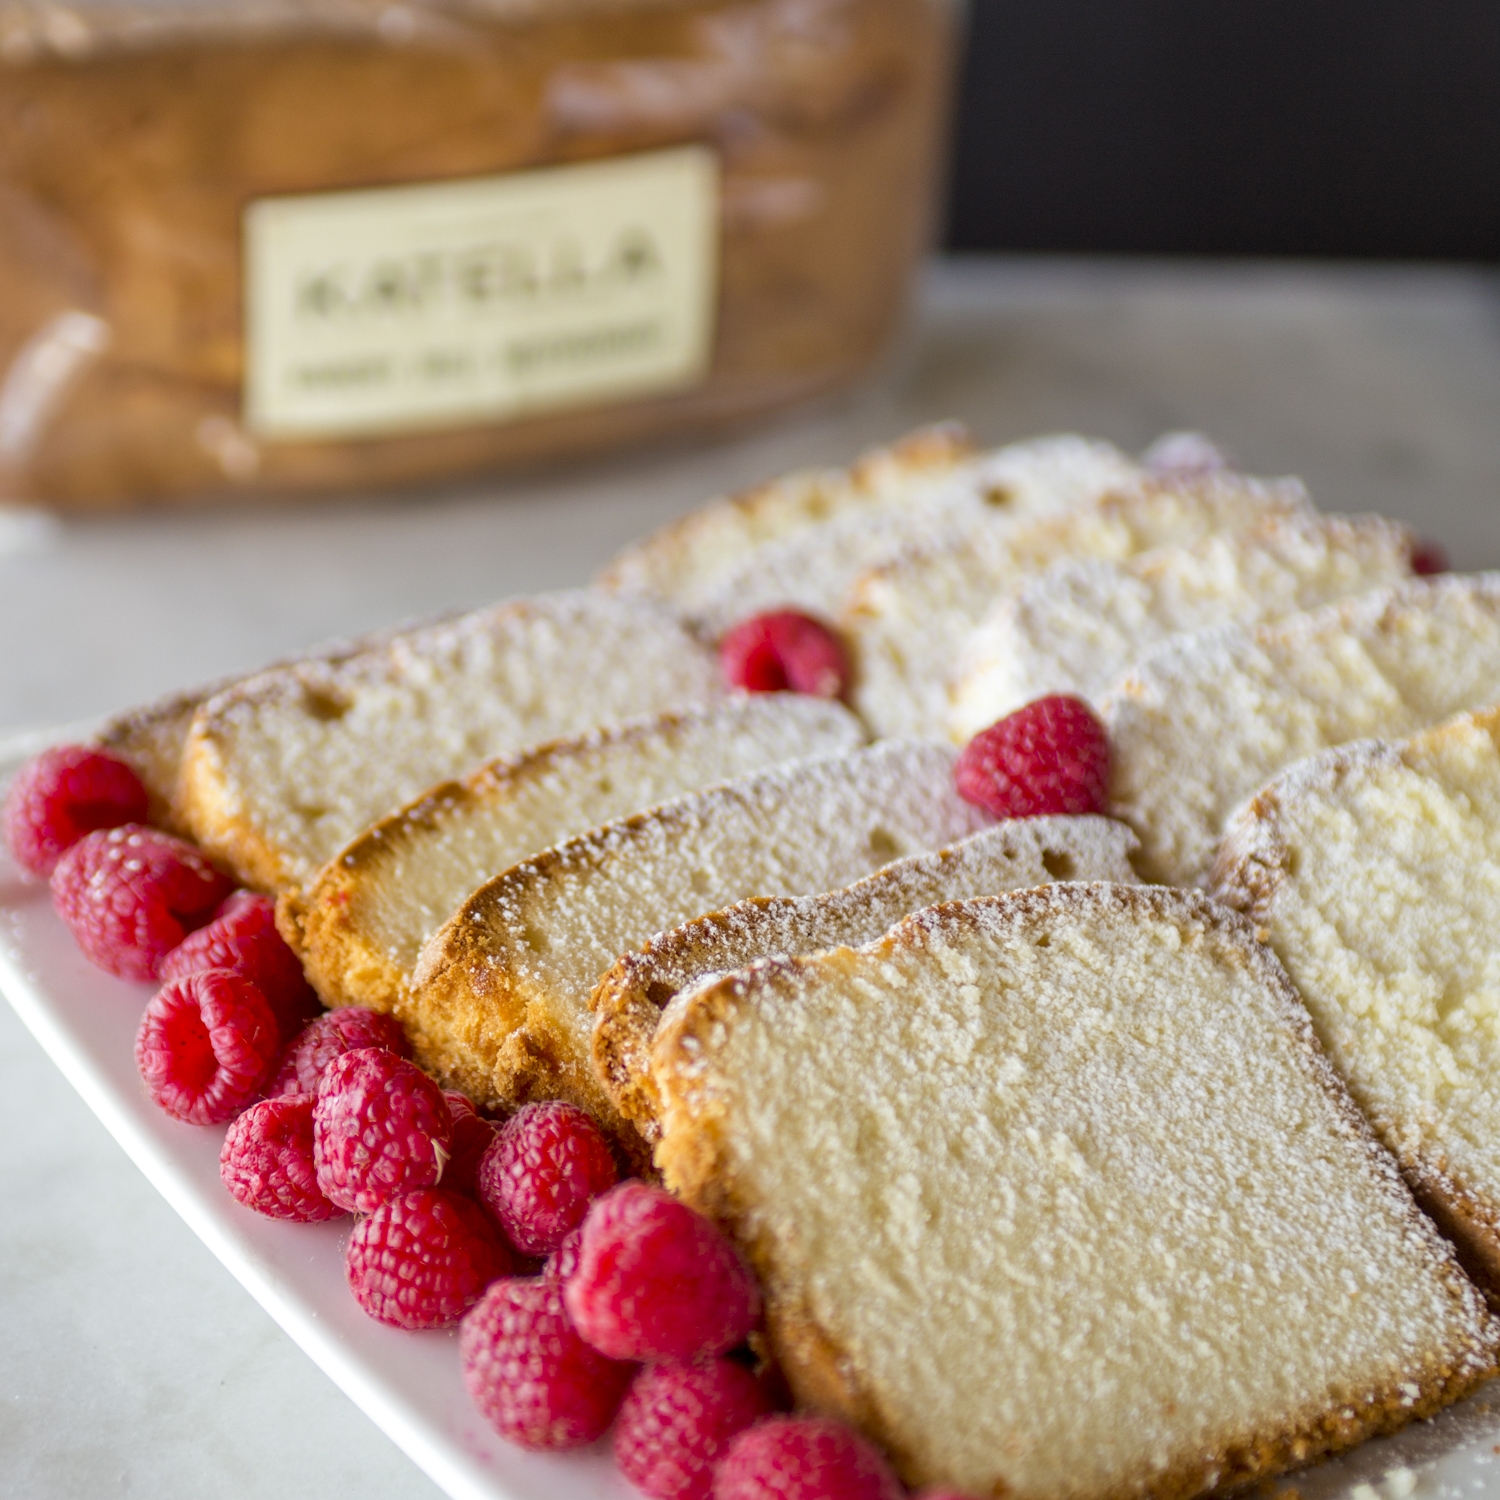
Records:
x=1373, y=870
x=905, y=621
x=1204, y=721
x=283, y=769
x=629, y=1000
x=374, y=904
x=499, y=1004
x=1081, y=623
x=1055, y=1195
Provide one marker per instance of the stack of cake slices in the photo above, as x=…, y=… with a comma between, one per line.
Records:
x=1079, y=1157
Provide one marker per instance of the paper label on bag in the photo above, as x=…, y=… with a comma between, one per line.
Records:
x=392, y=309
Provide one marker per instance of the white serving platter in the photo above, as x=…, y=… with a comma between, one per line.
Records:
x=408, y=1384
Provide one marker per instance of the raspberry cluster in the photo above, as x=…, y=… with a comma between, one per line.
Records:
x=638, y=1318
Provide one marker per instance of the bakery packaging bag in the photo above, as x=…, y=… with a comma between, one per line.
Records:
x=299, y=245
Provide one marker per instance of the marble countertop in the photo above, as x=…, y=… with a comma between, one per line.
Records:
x=131, y=1362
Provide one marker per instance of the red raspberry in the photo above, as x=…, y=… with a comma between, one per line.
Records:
x=676, y=1421
x=308, y=1053
x=657, y=1281
x=422, y=1259
x=803, y=1458
x=243, y=937
x=563, y=1261
x=131, y=895
x=267, y=1162
x=66, y=792
x=1050, y=757
x=549, y=1162
x=1428, y=557
x=473, y=1135
x=205, y=1046
x=381, y=1128
x=533, y=1379
x=781, y=651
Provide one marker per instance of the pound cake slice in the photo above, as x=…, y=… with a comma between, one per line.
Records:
x=282, y=770
x=906, y=621
x=1056, y=1196
x=629, y=1000
x=1373, y=870
x=499, y=1003
x=1080, y=624
x=152, y=738
x=687, y=557
x=366, y=916
x=1206, y=720
x=814, y=568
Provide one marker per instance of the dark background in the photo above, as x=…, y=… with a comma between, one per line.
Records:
x=1284, y=127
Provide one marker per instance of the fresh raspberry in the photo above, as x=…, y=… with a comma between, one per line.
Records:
x=309, y=1053
x=422, y=1259
x=205, y=1046
x=1050, y=757
x=803, y=1458
x=657, y=1281
x=267, y=1161
x=131, y=894
x=677, y=1420
x=243, y=937
x=563, y=1261
x=473, y=1135
x=1428, y=557
x=549, y=1162
x=784, y=651
x=66, y=792
x=381, y=1127
x=533, y=1379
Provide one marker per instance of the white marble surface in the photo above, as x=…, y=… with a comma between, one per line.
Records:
x=130, y=1362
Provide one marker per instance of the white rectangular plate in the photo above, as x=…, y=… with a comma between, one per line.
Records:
x=408, y=1383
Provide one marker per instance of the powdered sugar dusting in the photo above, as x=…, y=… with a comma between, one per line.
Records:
x=1081, y=623
x=814, y=567
x=1009, y=856
x=1062, y=1182
x=1373, y=871
x=545, y=931
x=308, y=755
x=905, y=621
x=372, y=910
x=1385, y=664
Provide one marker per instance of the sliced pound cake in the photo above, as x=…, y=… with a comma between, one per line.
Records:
x=1080, y=624
x=1207, y=719
x=685, y=559
x=282, y=770
x=362, y=922
x=152, y=738
x=629, y=1000
x=814, y=568
x=1055, y=1195
x=499, y=1003
x=906, y=621
x=1373, y=870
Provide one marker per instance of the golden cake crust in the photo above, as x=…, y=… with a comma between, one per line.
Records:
x=507, y=810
